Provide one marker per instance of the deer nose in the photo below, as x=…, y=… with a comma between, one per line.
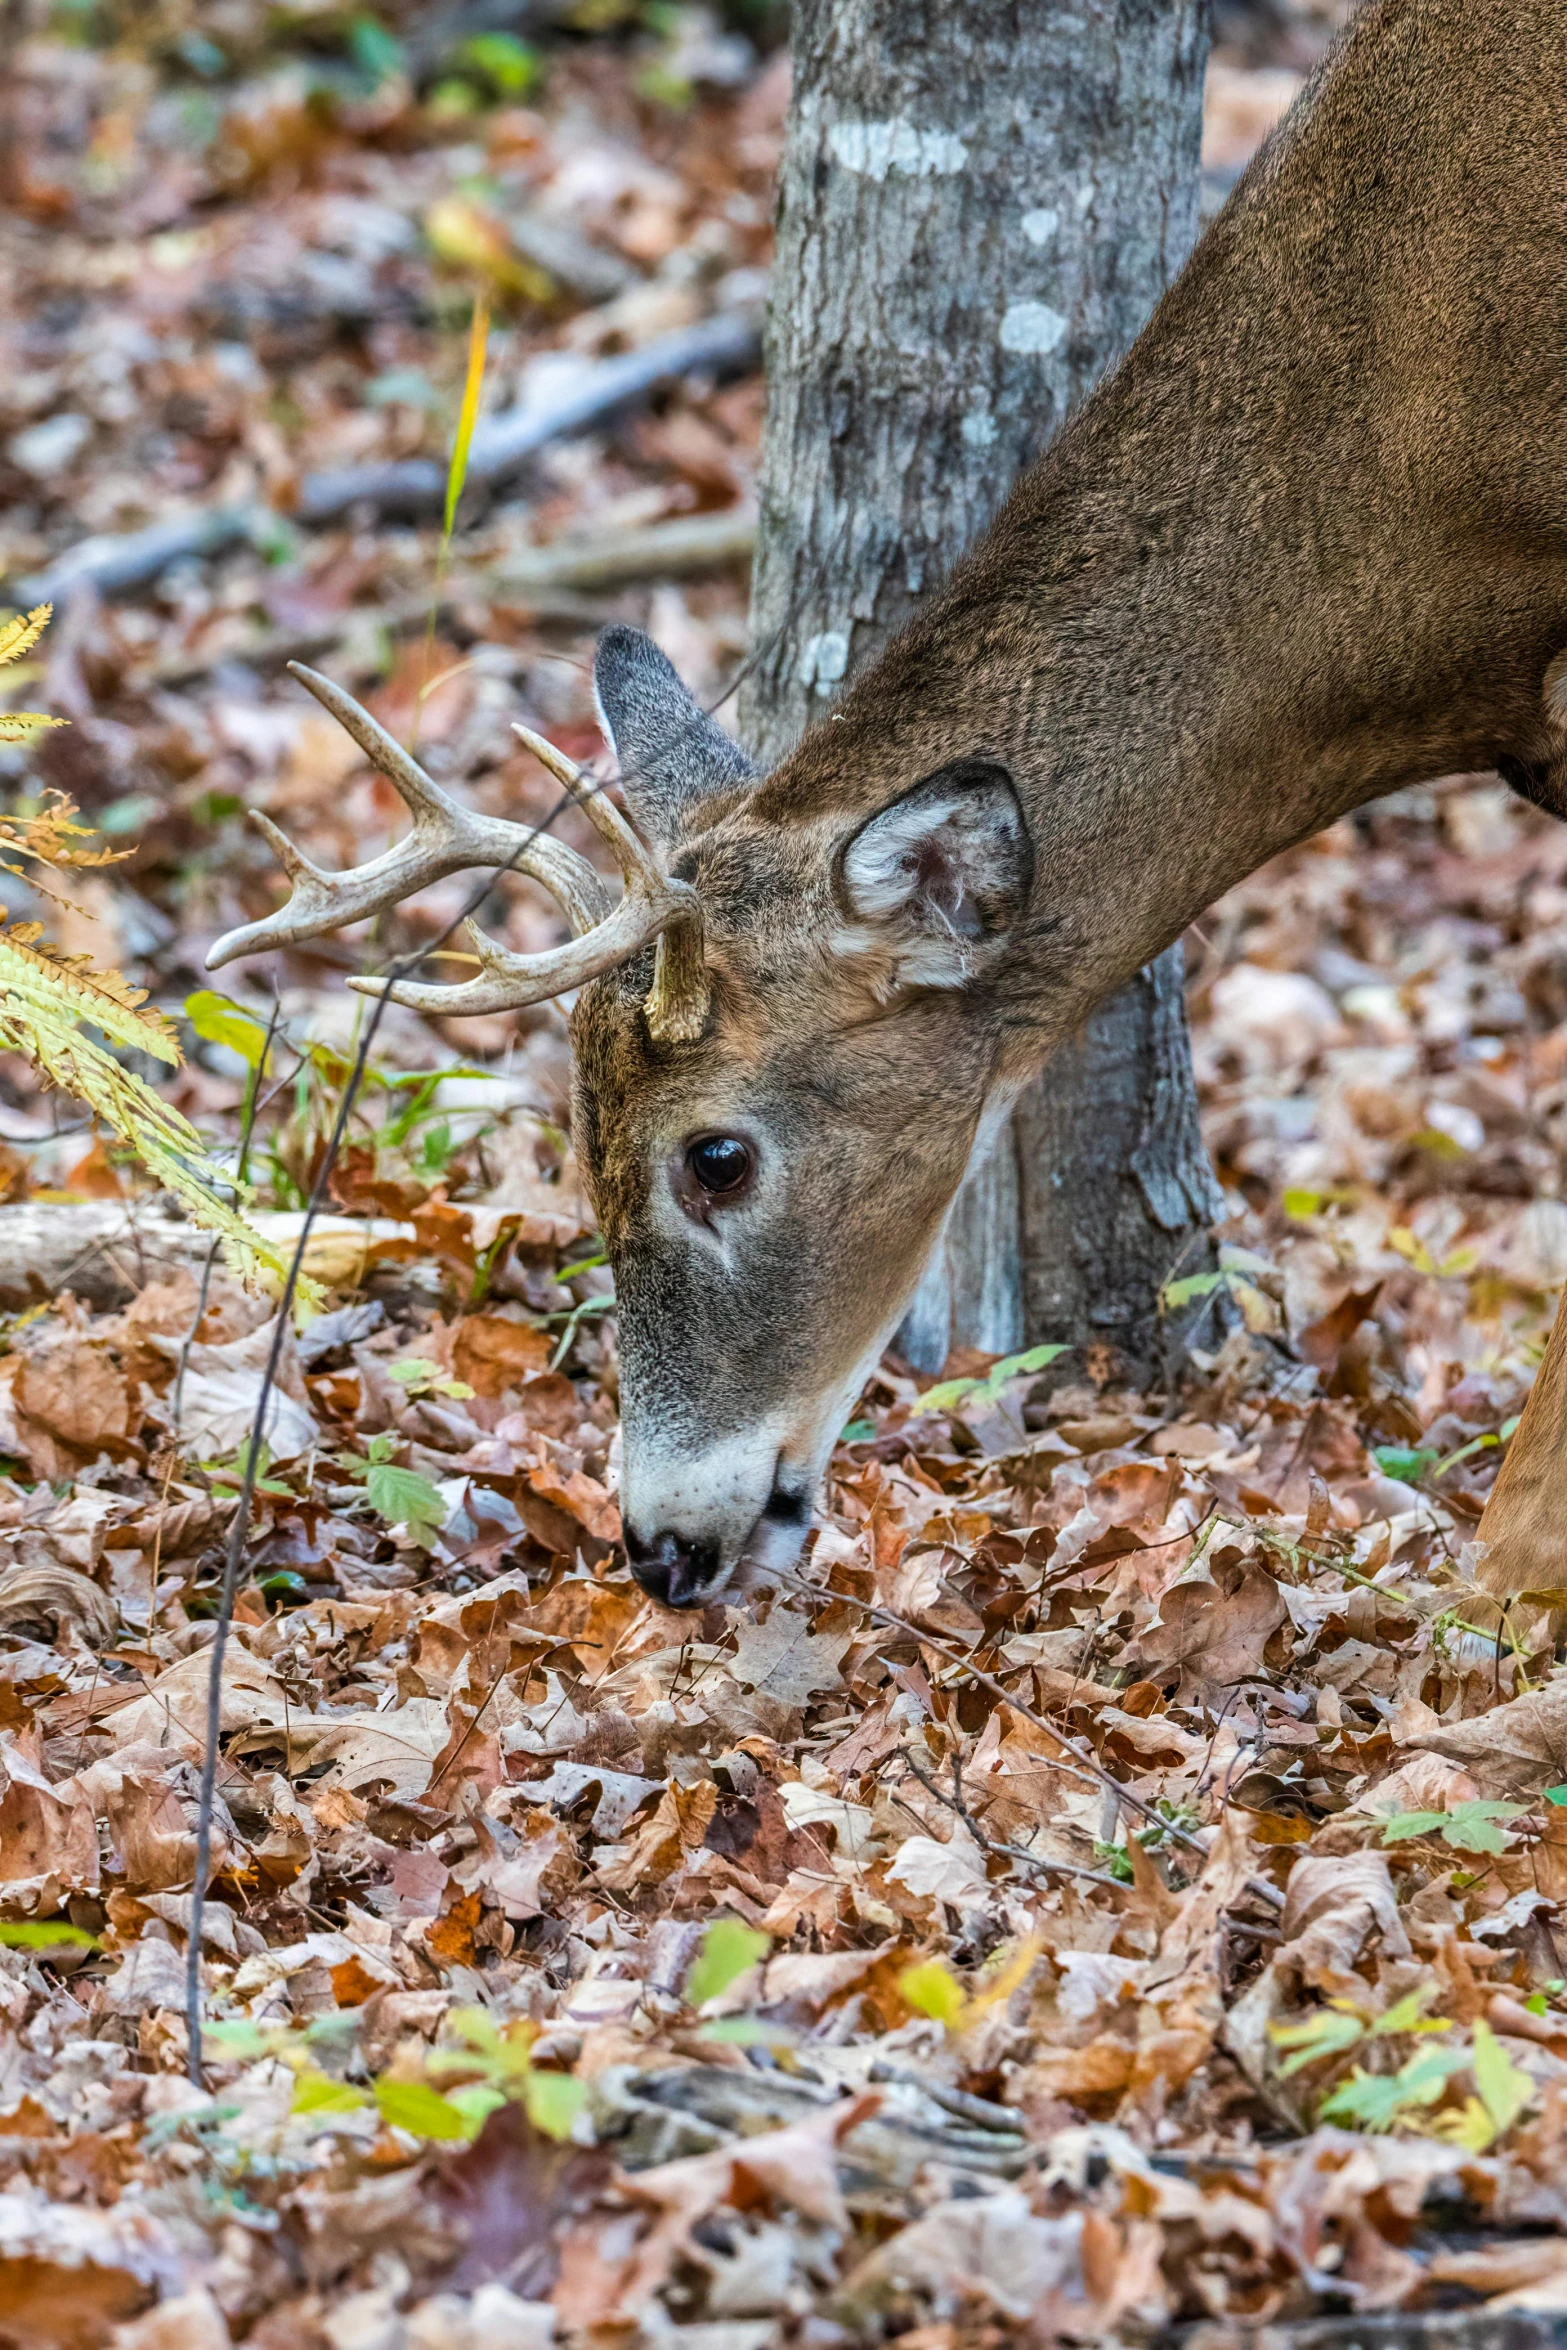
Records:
x=675, y=1572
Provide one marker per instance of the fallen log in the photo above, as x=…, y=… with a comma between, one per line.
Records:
x=417, y=486
x=105, y=1252
x=553, y=582
x=726, y=344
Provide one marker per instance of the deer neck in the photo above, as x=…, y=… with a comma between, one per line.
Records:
x=1306, y=546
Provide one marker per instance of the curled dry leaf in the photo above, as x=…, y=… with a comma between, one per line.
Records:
x=222, y=1392
x=50, y=1598
x=1518, y=1749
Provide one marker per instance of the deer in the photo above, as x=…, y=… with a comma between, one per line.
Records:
x=1305, y=546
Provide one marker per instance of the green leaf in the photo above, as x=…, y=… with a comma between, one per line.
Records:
x=946, y=1393
x=315, y=2092
x=1405, y=2015
x=245, y=2041
x=1327, y=2033
x=44, y=1934
x=219, y=1020
x=932, y=1989
x=510, y=67
x=1408, y=1466
x=749, y=2031
x=552, y=2102
x=1375, y=2101
x=728, y=1947
x=402, y=1497
x=1176, y=1294
x=1504, y=2087
x=1556, y=1794
x=377, y=52
x=1467, y=1827
x=857, y=1432
x=473, y=387
x=477, y=2100
x=424, y=2112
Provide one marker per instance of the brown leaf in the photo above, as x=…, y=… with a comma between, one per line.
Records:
x=604, y=2285
x=1333, y=1905
x=48, y=1836
x=494, y=1354
x=71, y=1403
x=68, y=2272
x=1208, y=1638
x=52, y=1597
x=1517, y=1749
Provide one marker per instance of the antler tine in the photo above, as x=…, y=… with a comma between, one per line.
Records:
x=446, y=838
x=509, y=982
x=637, y=863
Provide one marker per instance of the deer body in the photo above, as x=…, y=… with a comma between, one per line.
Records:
x=1306, y=546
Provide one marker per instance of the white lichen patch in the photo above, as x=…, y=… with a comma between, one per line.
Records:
x=1031, y=326
x=873, y=149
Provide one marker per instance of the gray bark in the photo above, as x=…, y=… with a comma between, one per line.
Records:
x=979, y=203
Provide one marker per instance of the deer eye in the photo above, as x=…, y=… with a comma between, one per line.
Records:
x=720, y=1164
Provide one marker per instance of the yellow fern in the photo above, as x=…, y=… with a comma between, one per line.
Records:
x=18, y=636
x=45, y=995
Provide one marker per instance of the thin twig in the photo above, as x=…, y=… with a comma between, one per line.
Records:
x=246, y=1127
x=1088, y=1763
x=1032, y=1860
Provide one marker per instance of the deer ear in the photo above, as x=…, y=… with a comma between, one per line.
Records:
x=941, y=870
x=670, y=752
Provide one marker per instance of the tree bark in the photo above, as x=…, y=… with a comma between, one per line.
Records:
x=979, y=203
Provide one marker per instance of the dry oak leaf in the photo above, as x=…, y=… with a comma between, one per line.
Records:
x=603, y=2282
x=48, y=1835
x=150, y=1977
x=192, y=2321
x=555, y=1476
x=1211, y=1637
x=532, y=1879
x=952, y=1873
x=68, y=2271
x=68, y=1390
x=678, y=1826
x=1101, y=2068
x=172, y=1710
x=493, y=1354
x=776, y=1668
x=1517, y=1749
x=1333, y=1905
x=149, y=1799
x=56, y=1596
x=993, y=2247
x=399, y=1747
x=223, y=1390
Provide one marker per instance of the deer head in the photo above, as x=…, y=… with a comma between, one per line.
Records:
x=789, y=1029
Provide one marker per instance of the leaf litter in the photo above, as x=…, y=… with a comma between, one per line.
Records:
x=1116, y=1894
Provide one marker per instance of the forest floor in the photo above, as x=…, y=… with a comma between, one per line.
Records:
x=1124, y=1903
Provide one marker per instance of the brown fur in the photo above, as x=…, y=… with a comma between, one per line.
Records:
x=1308, y=545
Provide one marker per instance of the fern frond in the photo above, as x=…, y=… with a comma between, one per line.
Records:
x=19, y=726
x=46, y=994
x=21, y=632
x=52, y=991
x=50, y=834
x=41, y=1020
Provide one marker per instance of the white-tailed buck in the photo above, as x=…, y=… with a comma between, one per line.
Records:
x=1306, y=546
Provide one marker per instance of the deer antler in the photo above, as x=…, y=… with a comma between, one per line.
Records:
x=449, y=838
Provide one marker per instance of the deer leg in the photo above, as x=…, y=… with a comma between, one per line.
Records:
x=1542, y=776
x=1523, y=1528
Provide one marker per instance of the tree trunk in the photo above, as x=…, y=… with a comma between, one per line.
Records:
x=979, y=203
